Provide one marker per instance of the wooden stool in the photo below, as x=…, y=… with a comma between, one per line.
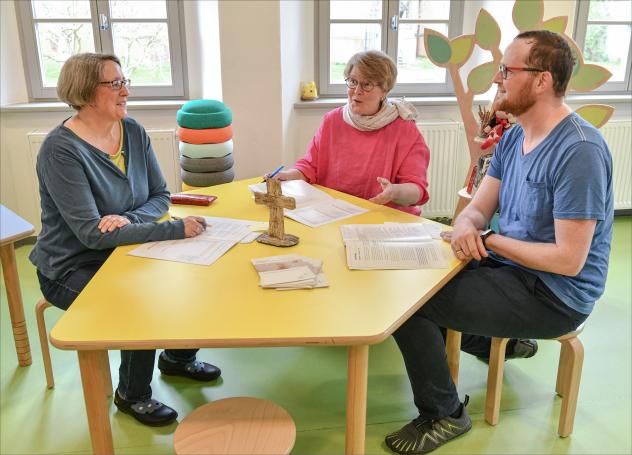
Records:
x=569, y=373
x=41, y=306
x=237, y=425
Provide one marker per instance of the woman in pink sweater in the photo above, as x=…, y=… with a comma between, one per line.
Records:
x=371, y=147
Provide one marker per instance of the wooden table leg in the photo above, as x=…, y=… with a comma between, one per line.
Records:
x=94, y=391
x=14, y=298
x=357, y=377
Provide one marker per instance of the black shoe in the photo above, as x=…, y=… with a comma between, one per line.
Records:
x=200, y=371
x=518, y=348
x=423, y=436
x=148, y=412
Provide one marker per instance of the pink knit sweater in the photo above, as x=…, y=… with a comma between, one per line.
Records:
x=348, y=160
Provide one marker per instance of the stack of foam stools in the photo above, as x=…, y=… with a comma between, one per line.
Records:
x=206, y=144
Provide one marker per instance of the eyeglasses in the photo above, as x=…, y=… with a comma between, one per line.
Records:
x=118, y=84
x=366, y=86
x=505, y=70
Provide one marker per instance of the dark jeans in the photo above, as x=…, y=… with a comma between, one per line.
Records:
x=137, y=367
x=489, y=299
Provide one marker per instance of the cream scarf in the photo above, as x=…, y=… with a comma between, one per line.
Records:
x=390, y=110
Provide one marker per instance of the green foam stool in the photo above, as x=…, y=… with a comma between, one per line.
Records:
x=202, y=114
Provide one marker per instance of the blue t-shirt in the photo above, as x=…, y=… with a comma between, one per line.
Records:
x=567, y=176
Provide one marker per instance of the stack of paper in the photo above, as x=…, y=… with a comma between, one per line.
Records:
x=313, y=206
x=221, y=235
x=290, y=271
x=391, y=246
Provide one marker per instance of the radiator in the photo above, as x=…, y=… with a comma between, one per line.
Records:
x=163, y=142
x=619, y=138
x=449, y=161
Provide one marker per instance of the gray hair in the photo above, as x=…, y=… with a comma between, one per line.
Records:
x=80, y=76
x=376, y=66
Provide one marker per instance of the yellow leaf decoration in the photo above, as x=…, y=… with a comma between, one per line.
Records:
x=462, y=48
x=589, y=77
x=596, y=114
x=438, y=47
x=556, y=24
x=528, y=14
x=480, y=78
x=487, y=31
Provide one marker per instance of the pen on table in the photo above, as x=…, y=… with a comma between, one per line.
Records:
x=273, y=173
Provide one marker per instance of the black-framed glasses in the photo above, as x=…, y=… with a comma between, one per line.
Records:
x=505, y=70
x=366, y=86
x=118, y=84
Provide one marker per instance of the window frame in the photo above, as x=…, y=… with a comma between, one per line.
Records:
x=103, y=42
x=389, y=43
x=581, y=27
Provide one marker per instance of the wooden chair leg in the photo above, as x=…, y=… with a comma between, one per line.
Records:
x=43, y=336
x=107, y=376
x=570, y=390
x=562, y=369
x=453, y=352
x=495, y=379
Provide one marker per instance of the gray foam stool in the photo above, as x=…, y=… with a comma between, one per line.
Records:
x=207, y=178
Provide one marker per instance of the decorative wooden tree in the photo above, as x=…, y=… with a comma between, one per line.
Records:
x=453, y=54
x=275, y=200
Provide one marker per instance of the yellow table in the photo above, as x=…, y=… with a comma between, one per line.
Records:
x=12, y=229
x=137, y=303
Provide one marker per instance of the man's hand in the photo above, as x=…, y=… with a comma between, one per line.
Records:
x=111, y=222
x=193, y=226
x=466, y=242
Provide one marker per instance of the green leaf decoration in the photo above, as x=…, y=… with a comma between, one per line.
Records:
x=556, y=24
x=462, y=48
x=589, y=77
x=487, y=31
x=528, y=14
x=596, y=114
x=438, y=47
x=480, y=78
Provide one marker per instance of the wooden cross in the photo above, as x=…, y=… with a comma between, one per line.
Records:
x=275, y=200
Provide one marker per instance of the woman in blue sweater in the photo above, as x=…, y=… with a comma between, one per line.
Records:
x=101, y=187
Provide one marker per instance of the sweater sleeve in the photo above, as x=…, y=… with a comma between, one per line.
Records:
x=68, y=186
x=414, y=166
x=308, y=165
x=157, y=203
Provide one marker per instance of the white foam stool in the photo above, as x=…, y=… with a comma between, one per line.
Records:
x=237, y=425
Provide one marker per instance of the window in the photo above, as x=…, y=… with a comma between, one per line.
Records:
x=603, y=32
x=144, y=34
x=395, y=27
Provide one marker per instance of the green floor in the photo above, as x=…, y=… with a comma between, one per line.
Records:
x=310, y=384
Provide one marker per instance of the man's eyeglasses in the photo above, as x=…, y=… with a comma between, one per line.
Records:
x=118, y=84
x=366, y=86
x=505, y=70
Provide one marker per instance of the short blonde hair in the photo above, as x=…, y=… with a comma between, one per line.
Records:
x=80, y=76
x=376, y=66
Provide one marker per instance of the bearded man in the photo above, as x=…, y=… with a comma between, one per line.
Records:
x=541, y=274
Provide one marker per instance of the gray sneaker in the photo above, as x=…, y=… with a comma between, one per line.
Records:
x=423, y=436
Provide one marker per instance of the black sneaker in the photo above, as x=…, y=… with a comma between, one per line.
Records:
x=200, y=371
x=518, y=348
x=148, y=412
x=423, y=436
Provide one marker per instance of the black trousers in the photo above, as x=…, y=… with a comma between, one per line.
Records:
x=488, y=299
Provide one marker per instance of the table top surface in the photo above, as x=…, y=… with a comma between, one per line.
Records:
x=139, y=303
x=12, y=227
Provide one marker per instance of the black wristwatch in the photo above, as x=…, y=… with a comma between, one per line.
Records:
x=486, y=233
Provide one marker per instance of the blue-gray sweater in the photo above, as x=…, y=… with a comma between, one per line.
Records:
x=79, y=185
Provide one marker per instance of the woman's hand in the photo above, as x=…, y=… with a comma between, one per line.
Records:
x=111, y=222
x=193, y=226
x=289, y=174
x=388, y=194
